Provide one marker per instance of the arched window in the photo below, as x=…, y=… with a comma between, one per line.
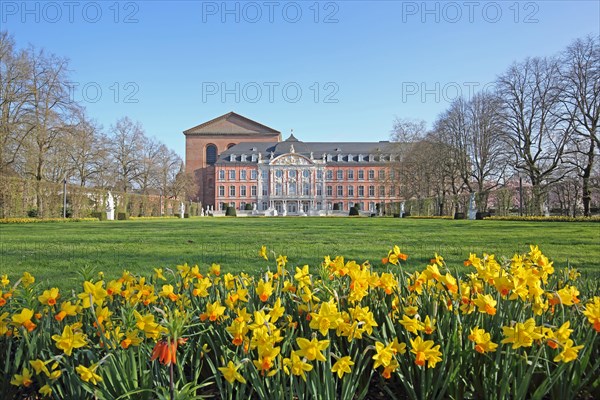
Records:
x=211, y=154
x=230, y=145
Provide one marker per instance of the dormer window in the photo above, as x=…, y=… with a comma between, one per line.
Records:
x=371, y=157
x=360, y=158
x=254, y=158
x=232, y=157
x=339, y=157
x=329, y=157
x=243, y=158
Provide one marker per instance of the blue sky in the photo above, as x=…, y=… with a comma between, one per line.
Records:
x=330, y=70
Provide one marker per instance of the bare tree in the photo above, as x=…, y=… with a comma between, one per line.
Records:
x=15, y=99
x=581, y=78
x=126, y=142
x=148, y=164
x=533, y=122
x=85, y=150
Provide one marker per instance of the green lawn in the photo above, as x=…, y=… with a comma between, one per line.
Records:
x=54, y=252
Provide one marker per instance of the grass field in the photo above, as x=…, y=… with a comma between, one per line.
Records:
x=55, y=252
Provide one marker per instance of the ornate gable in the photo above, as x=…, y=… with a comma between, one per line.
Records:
x=291, y=159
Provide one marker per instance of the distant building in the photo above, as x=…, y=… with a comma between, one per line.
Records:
x=239, y=162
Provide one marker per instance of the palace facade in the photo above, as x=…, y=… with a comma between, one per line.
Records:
x=241, y=163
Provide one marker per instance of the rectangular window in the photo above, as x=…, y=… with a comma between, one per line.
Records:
x=361, y=175
x=340, y=175
x=320, y=174
x=392, y=174
x=381, y=174
x=392, y=191
x=232, y=191
x=371, y=174
x=265, y=189
x=253, y=191
x=243, y=175
x=232, y=175
x=306, y=189
x=221, y=174
x=253, y=174
x=340, y=190
x=319, y=189
x=265, y=174
x=243, y=191
x=381, y=191
x=329, y=175
x=350, y=174
x=361, y=191
x=329, y=190
x=350, y=191
x=222, y=190
x=371, y=191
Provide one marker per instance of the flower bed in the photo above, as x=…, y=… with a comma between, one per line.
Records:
x=513, y=328
x=43, y=220
x=546, y=219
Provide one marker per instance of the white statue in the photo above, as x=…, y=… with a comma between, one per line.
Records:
x=202, y=211
x=402, y=210
x=110, y=207
x=472, y=207
x=181, y=209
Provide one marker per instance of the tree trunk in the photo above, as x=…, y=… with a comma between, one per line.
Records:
x=587, y=171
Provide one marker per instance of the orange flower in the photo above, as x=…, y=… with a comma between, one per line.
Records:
x=165, y=351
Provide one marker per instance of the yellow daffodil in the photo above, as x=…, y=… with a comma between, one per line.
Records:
x=296, y=366
x=69, y=340
x=592, y=312
x=231, y=374
x=486, y=304
x=27, y=279
x=342, y=366
x=327, y=318
x=482, y=340
x=311, y=349
x=521, y=334
x=425, y=351
x=568, y=353
x=46, y=390
x=24, y=319
x=49, y=297
x=24, y=379
x=263, y=253
x=88, y=374
x=383, y=354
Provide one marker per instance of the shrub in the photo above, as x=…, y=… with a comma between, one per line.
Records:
x=248, y=207
x=122, y=216
x=186, y=215
x=99, y=214
x=482, y=215
x=336, y=206
x=545, y=219
x=459, y=215
x=353, y=211
x=33, y=213
x=230, y=212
